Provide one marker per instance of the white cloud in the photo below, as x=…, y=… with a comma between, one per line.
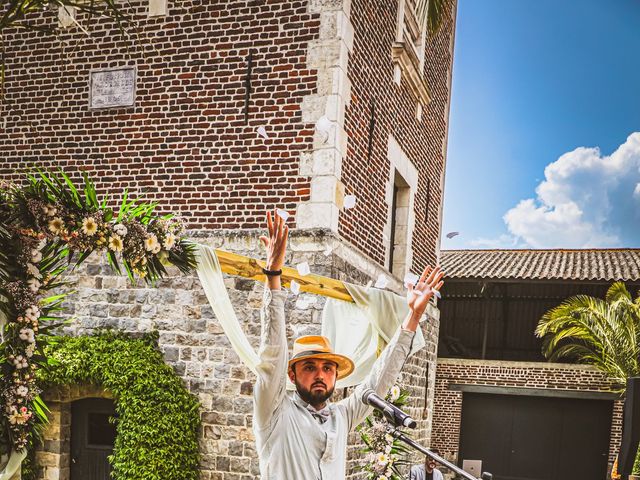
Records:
x=586, y=200
x=502, y=242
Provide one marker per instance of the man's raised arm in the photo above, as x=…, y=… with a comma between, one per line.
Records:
x=387, y=367
x=270, y=385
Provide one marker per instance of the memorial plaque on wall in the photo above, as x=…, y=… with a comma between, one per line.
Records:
x=114, y=87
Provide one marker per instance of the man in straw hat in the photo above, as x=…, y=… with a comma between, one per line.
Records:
x=300, y=436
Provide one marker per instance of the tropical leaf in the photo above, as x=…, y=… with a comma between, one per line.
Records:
x=431, y=13
x=603, y=333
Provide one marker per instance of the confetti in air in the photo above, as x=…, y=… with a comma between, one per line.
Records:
x=452, y=234
x=382, y=281
x=295, y=287
x=283, y=214
x=263, y=133
x=303, y=268
x=410, y=279
x=349, y=201
x=323, y=127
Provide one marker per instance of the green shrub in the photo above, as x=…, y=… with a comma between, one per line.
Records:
x=158, y=419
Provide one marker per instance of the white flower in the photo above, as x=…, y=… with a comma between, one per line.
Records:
x=22, y=391
x=50, y=211
x=56, y=225
x=34, y=285
x=33, y=271
x=27, y=335
x=32, y=313
x=115, y=243
x=30, y=350
x=151, y=242
x=36, y=256
x=394, y=393
x=20, y=362
x=382, y=477
x=382, y=458
x=89, y=226
x=169, y=241
x=120, y=229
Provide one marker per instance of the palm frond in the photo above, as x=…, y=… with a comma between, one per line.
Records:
x=603, y=333
x=618, y=291
x=431, y=13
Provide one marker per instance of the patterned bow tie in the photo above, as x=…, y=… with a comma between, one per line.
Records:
x=320, y=415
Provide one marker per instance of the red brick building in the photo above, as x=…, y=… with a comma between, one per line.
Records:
x=211, y=109
x=497, y=398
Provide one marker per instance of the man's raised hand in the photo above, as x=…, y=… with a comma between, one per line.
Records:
x=419, y=294
x=276, y=242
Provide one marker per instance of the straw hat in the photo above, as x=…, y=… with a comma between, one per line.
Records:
x=317, y=346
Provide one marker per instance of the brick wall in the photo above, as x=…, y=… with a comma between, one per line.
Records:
x=184, y=143
x=448, y=403
x=371, y=72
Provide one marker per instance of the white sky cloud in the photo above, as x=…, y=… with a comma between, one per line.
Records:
x=502, y=242
x=586, y=200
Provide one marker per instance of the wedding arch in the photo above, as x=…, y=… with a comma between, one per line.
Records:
x=47, y=227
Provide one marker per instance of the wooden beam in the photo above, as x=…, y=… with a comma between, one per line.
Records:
x=239, y=265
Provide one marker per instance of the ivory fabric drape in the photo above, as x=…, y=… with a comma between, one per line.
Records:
x=354, y=329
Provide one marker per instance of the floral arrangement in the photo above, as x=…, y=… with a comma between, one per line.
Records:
x=384, y=454
x=47, y=227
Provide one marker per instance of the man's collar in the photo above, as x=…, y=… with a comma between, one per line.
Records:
x=321, y=415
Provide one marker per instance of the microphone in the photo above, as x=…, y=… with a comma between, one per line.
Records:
x=390, y=411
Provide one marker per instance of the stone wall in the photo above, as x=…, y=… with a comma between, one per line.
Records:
x=195, y=346
x=533, y=375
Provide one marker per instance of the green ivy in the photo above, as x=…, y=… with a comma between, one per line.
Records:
x=158, y=419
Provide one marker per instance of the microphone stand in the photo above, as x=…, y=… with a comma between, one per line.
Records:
x=402, y=437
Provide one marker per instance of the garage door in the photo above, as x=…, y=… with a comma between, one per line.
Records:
x=536, y=438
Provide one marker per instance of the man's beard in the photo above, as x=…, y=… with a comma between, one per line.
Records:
x=317, y=397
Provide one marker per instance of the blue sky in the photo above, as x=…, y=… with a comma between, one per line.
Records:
x=541, y=85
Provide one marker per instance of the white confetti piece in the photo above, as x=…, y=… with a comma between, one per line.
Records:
x=328, y=251
x=437, y=294
x=323, y=125
x=382, y=281
x=452, y=234
x=283, y=214
x=303, y=268
x=295, y=287
x=368, y=285
x=263, y=133
x=349, y=201
x=410, y=279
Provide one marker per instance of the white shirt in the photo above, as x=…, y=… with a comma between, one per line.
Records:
x=291, y=443
x=419, y=472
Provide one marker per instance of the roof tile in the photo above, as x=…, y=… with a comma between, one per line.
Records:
x=594, y=264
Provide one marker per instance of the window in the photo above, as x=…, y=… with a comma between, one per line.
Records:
x=401, y=188
x=408, y=53
x=399, y=226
